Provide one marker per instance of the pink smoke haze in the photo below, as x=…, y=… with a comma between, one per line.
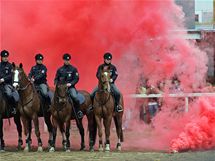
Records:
x=143, y=37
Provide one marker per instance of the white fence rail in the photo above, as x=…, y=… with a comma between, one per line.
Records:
x=177, y=95
x=186, y=96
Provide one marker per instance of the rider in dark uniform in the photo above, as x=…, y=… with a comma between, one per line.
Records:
x=114, y=75
x=6, y=79
x=38, y=75
x=69, y=74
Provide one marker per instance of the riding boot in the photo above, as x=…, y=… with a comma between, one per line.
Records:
x=78, y=111
x=92, y=96
x=48, y=100
x=14, y=108
x=118, y=107
x=47, y=103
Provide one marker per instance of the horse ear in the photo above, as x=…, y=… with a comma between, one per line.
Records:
x=20, y=65
x=13, y=64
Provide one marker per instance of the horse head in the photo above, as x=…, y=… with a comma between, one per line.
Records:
x=104, y=81
x=18, y=75
x=61, y=93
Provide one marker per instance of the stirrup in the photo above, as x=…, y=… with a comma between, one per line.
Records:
x=13, y=111
x=80, y=114
x=119, y=108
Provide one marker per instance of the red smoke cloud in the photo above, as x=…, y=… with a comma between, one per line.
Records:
x=199, y=133
x=141, y=35
x=87, y=29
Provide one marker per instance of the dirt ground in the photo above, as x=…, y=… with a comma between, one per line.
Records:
x=114, y=156
x=130, y=152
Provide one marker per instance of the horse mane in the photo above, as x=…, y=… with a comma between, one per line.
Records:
x=23, y=71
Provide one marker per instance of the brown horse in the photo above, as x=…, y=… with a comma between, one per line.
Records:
x=103, y=105
x=63, y=111
x=30, y=107
x=6, y=114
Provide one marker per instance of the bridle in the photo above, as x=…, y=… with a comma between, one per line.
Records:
x=58, y=97
x=101, y=103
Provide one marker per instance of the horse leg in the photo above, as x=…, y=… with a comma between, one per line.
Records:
x=54, y=132
x=81, y=131
x=29, y=131
x=19, y=129
x=68, y=134
x=2, y=145
x=92, y=126
x=37, y=132
x=62, y=130
x=47, y=118
x=98, y=121
x=107, y=124
x=26, y=132
x=118, y=124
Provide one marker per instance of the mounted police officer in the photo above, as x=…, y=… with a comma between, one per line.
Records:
x=114, y=75
x=69, y=74
x=6, y=80
x=38, y=75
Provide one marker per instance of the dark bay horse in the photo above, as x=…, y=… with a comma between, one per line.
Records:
x=63, y=111
x=103, y=105
x=30, y=107
x=6, y=114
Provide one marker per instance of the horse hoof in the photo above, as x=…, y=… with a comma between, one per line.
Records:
x=2, y=150
x=101, y=149
x=107, y=148
x=20, y=143
x=82, y=148
x=118, y=147
x=52, y=149
x=40, y=149
x=68, y=150
x=91, y=149
x=27, y=149
x=19, y=147
x=174, y=151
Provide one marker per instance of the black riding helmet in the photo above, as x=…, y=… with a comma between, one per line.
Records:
x=66, y=56
x=39, y=57
x=108, y=56
x=4, y=53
